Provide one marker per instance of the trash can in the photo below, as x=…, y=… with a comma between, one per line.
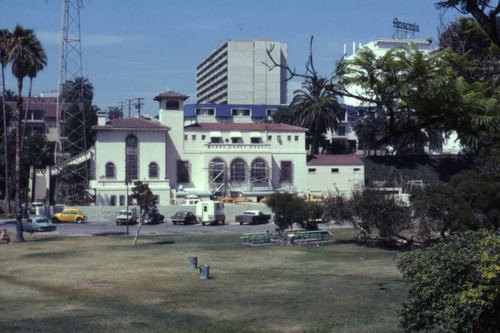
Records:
x=204, y=271
x=193, y=262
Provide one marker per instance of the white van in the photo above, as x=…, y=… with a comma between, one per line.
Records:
x=210, y=212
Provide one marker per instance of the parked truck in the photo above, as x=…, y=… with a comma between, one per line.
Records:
x=210, y=211
x=253, y=217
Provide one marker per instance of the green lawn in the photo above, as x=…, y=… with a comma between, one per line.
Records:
x=99, y=284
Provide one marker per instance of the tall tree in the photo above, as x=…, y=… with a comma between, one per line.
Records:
x=484, y=13
x=25, y=51
x=146, y=201
x=5, y=40
x=316, y=108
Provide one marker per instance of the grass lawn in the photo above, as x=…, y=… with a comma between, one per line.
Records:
x=101, y=284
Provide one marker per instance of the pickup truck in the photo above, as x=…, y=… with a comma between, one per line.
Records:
x=253, y=217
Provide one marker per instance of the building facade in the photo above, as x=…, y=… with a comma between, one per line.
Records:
x=211, y=158
x=236, y=73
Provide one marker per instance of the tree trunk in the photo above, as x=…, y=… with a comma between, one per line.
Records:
x=7, y=207
x=26, y=114
x=19, y=225
x=138, y=230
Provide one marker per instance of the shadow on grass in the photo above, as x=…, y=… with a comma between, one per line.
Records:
x=105, y=234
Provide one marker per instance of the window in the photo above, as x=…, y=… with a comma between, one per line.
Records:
x=258, y=172
x=173, y=105
x=269, y=138
x=356, y=171
x=205, y=112
x=132, y=157
x=335, y=170
x=238, y=170
x=216, y=139
x=203, y=137
x=311, y=170
x=216, y=171
x=110, y=170
x=279, y=139
x=255, y=140
x=236, y=140
x=193, y=137
x=271, y=112
x=341, y=130
x=112, y=201
x=286, y=171
x=296, y=138
x=153, y=170
x=182, y=171
x=122, y=200
x=185, y=137
x=289, y=138
x=38, y=115
x=156, y=198
x=240, y=112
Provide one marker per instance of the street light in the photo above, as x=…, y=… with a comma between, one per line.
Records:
x=127, y=181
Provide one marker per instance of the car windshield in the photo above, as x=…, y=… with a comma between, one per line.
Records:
x=125, y=213
x=45, y=220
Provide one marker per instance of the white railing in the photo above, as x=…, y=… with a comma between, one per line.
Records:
x=236, y=146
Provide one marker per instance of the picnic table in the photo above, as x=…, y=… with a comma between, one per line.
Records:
x=260, y=238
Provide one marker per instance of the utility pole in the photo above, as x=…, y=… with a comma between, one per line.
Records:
x=139, y=104
x=129, y=106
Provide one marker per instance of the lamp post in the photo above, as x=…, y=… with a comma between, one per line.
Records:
x=127, y=181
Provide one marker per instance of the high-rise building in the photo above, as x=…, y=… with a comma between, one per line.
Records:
x=236, y=73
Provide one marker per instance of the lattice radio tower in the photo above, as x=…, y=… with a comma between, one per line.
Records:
x=72, y=140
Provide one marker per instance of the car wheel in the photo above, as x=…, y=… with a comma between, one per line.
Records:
x=174, y=222
x=78, y=220
x=241, y=223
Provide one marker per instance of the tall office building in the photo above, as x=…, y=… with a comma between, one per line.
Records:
x=235, y=73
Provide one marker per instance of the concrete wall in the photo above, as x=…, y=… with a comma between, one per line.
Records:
x=107, y=214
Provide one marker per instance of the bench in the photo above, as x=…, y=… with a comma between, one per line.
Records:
x=305, y=236
x=260, y=238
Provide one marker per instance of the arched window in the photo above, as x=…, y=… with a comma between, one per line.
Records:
x=132, y=157
x=258, y=172
x=172, y=105
x=216, y=171
x=110, y=170
x=153, y=170
x=238, y=170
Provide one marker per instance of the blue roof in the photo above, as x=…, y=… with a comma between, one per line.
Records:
x=224, y=110
x=258, y=111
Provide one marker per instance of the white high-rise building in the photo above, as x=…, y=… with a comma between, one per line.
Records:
x=236, y=73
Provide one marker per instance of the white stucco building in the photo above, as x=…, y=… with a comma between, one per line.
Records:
x=250, y=159
x=235, y=73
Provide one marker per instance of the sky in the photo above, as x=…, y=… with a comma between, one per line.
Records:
x=138, y=49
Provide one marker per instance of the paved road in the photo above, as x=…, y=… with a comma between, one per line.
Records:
x=107, y=229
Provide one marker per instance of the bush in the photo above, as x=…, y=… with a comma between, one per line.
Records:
x=454, y=285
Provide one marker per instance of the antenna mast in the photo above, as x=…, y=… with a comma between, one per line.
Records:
x=70, y=122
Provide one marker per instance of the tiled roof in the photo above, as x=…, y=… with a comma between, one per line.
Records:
x=334, y=160
x=244, y=127
x=132, y=124
x=170, y=94
x=46, y=104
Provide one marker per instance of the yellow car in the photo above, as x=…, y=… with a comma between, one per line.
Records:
x=69, y=215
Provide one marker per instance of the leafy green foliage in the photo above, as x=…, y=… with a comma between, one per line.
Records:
x=143, y=195
x=375, y=210
x=289, y=209
x=454, y=285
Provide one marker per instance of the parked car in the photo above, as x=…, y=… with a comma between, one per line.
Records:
x=252, y=217
x=126, y=217
x=183, y=217
x=38, y=223
x=69, y=215
x=153, y=217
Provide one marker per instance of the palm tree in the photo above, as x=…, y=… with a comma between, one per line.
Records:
x=5, y=39
x=316, y=108
x=35, y=67
x=26, y=53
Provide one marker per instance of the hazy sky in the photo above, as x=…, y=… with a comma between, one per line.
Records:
x=139, y=48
